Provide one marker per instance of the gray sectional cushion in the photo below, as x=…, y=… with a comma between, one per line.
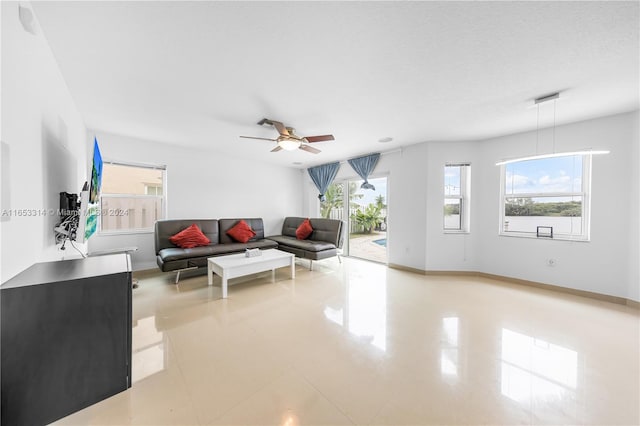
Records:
x=328, y=230
x=164, y=229
x=237, y=247
x=290, y=225
x=176, y=253
x=225, y=224
x=308, y=245
x=192, y=262
x=324, y=241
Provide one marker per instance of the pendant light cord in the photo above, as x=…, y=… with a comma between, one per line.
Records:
x=554, y=127
x=537, y=129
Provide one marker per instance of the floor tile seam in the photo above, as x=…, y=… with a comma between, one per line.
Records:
x=387, y=403
x=187, y=388
x=381, y=407
x=249, y=396
x=329, y=400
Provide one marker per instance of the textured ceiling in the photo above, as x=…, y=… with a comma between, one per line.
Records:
x=203, y=73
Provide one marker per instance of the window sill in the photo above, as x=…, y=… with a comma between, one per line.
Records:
x=534, y=237
x=451, y=231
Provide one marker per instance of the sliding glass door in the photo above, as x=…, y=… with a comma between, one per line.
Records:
x=365, y=213
x=368, y=220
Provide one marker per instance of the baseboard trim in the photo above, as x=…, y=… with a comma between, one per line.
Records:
x=583, y=293
x=566, y=290
x=406, y=268
x=633, y=304
x=454, y=273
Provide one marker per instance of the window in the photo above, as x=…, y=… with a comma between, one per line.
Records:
x=153, y=189
x=132, y=197
x=456, y=197
x=546, y=198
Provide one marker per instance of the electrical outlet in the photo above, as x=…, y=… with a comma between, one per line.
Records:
x=551, y=262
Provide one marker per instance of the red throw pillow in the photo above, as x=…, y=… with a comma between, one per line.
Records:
x=304, y=230
x=190, y=237
x=241, y=232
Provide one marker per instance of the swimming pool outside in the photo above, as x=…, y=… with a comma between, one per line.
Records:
x=364, y=246
x=381, y=242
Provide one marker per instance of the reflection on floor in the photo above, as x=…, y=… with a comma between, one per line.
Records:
x=358, y=343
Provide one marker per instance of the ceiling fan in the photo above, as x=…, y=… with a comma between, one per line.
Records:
x=288, y=140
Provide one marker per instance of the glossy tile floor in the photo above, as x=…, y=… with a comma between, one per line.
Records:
x=358, y=343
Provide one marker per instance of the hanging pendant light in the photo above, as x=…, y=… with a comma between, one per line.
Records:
x=551, y=97
x=556, y=154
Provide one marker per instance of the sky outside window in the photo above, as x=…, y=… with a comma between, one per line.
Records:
x=452, y=180
x=560, y=174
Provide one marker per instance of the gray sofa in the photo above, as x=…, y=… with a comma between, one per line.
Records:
x=170, y=257
x=325, y=240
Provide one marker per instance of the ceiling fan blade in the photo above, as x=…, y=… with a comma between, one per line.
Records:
x=253, y=137
x=309, y=149
x=321, y=138
x=280, y=128
x=276, y=149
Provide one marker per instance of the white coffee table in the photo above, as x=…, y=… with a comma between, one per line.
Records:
x=238, y=265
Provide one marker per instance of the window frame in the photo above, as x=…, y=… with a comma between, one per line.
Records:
x=584, y=193
x=155, y=188
x=464, y=198
x=163, y=198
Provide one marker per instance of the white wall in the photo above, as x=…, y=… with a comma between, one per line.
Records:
x=450, y=251
x=44, y=148
x=600, y=265
x=634, y=212
x=203, y=184
x=407, y=230
x=608, y=264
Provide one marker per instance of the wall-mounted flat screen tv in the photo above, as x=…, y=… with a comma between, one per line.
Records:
x=90, y=200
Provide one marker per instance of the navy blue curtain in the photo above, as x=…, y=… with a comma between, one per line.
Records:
x=322, y=176
x=364, y=166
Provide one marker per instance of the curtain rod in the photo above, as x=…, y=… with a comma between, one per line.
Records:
x=391, y=151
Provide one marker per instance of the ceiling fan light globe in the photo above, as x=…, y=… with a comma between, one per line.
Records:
x=288, y=144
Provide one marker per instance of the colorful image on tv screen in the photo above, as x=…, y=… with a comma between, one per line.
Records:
x=96, y=173
x=92, y=221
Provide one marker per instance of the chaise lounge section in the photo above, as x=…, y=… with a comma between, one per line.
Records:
x=170, y=257
x=324, y=242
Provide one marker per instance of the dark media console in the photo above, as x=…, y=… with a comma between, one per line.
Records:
x=65, y=337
